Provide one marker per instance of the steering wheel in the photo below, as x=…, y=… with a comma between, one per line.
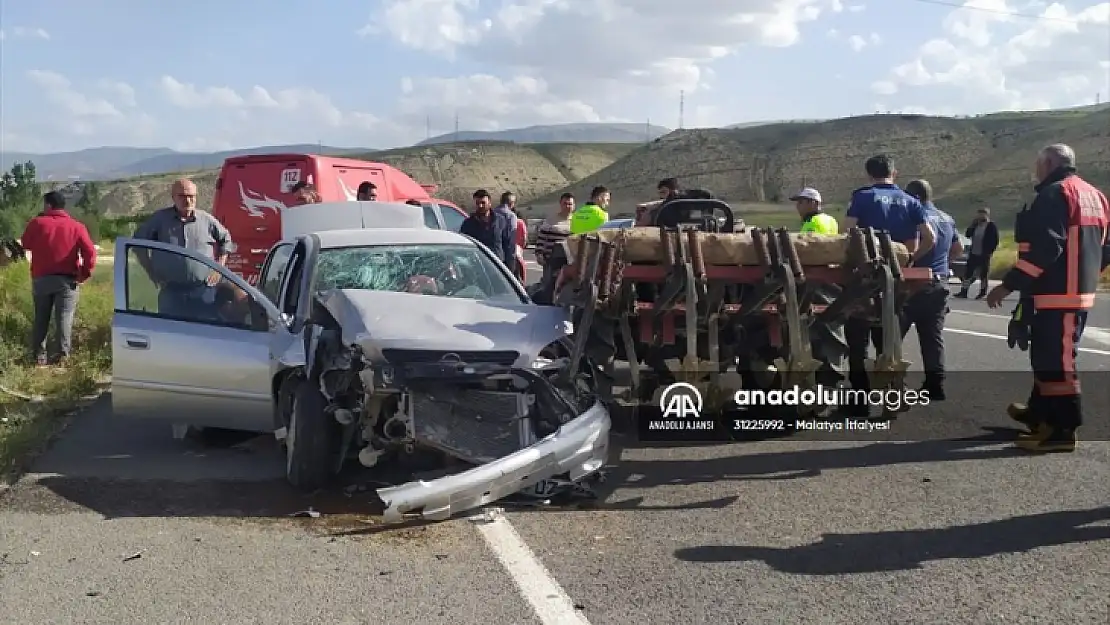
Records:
x=676, y=212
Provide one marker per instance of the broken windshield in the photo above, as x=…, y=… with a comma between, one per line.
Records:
x=458, y=271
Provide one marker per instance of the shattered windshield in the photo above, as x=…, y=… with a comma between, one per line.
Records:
x=458, y=271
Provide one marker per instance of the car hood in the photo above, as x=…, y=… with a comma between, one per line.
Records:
x=377, y=320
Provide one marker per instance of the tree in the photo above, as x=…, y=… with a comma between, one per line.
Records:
x=19, y=198
x=88, y=209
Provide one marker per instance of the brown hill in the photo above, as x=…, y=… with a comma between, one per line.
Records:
x=531, y=170
x=970, y=162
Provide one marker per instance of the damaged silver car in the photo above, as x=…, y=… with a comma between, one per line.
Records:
x=369, y=344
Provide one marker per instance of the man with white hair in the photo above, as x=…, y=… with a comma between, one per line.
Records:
x=1062, y=249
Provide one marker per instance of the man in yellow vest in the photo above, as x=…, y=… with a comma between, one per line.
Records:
x=814, y=220
x=591, y=215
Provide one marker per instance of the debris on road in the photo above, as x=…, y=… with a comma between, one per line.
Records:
x=310, y=513
x=135, y=556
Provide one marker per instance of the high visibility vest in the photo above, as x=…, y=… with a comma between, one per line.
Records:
x=821, y=223
x=587, y=218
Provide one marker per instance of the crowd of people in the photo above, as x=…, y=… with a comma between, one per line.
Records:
x=1061, y=236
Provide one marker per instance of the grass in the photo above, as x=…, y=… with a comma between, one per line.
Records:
x=27, y=426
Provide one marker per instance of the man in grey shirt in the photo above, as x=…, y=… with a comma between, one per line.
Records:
x=186, y=288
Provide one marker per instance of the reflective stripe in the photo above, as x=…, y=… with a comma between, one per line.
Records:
x=1066, y=388
x=1029, y=268
x=1049, y=302
x=1023, y=247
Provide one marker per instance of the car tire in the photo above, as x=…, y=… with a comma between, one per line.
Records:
x=312, y=441
x=283, y=403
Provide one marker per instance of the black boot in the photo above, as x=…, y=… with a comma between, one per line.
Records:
x=962, y=294
x=934, y=387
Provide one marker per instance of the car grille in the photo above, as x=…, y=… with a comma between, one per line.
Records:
x=478, y=426
x=500, y=357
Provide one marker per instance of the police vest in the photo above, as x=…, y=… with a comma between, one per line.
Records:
x=821, y=223
x=587, y=218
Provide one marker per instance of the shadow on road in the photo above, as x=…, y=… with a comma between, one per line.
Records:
x=838, y=554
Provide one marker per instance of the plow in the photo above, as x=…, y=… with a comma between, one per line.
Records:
x=736, y=307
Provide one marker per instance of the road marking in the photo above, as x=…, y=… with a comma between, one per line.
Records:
x=1088, y=350
x=550, y=602
x=1094, y=333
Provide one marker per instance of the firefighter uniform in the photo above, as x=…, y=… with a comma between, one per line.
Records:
x=1062, y=249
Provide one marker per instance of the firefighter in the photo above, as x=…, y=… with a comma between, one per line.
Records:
x=1062, y=249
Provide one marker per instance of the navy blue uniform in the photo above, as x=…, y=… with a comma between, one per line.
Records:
x=887, y=207
x=882, y=207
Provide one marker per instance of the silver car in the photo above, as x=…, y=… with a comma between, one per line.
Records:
x=368, y=343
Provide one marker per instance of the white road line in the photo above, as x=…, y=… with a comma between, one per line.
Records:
x=1094, y=333
x=1088, y=350
x=550, y=602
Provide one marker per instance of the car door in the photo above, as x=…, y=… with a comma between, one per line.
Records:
x=452, y=219
x=190, y=355
x=273, y=271
x=432, y=218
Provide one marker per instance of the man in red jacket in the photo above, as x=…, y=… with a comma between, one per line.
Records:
x=62, y=257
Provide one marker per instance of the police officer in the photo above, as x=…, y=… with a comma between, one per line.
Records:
x=591, y=215
x=882, y=205
x=814, y=218
x=1062, y=249
x=926, y=309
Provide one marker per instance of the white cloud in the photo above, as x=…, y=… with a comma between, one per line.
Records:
x=122, y=92
x=884, y=87
x=24, y=32
x=856, y=8
x=599, y=51
x=75, y=110
x=986, y=60
x=859, y=42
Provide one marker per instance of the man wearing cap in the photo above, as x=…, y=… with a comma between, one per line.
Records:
x=814, y=219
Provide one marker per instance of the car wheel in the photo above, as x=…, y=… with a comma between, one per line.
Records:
x=312, y=439
x=283, y=404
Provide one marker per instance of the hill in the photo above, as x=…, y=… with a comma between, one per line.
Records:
x=559, y=133
x=970, y=161
x=459, y=169
x=122, y=162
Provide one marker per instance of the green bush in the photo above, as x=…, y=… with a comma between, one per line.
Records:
x=26, y=425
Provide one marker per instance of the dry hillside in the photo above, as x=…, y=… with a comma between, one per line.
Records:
x=459, y=169
x=969, y=161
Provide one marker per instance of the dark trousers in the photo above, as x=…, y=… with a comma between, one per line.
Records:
x=55, y=298
x=978, y=267
x=1053, y=348
x=926, y=310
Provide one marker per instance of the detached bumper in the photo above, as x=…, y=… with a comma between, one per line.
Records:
x=579, y=448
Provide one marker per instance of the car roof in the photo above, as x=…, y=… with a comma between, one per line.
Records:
x=390, y=236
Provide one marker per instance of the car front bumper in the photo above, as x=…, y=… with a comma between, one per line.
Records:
x=579, y=448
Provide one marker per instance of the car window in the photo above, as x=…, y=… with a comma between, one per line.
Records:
x=456, y=271
x=274, y=270
x=452, y=219
x=430, y=219
x=170, y=285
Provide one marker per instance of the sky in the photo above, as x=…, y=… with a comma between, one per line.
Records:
x=207, y=76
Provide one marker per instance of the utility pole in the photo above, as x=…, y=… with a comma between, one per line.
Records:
x=1098, y=98
x=647, y=131
x=456, y=126
x=428, y=127
x=681, y=108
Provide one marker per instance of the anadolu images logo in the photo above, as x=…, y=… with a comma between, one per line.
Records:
x=681, y=400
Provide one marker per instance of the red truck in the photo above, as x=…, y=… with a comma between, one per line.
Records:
x=252, y=191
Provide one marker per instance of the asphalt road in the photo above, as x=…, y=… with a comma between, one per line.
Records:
x=120, y=524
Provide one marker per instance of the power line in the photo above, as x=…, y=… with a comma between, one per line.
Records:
x=1028, y=16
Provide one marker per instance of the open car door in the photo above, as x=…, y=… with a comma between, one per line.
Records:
x=186, y=352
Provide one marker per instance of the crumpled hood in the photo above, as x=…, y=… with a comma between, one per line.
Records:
x=378, y=320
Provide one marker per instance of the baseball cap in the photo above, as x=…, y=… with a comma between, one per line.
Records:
x=808, y=193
